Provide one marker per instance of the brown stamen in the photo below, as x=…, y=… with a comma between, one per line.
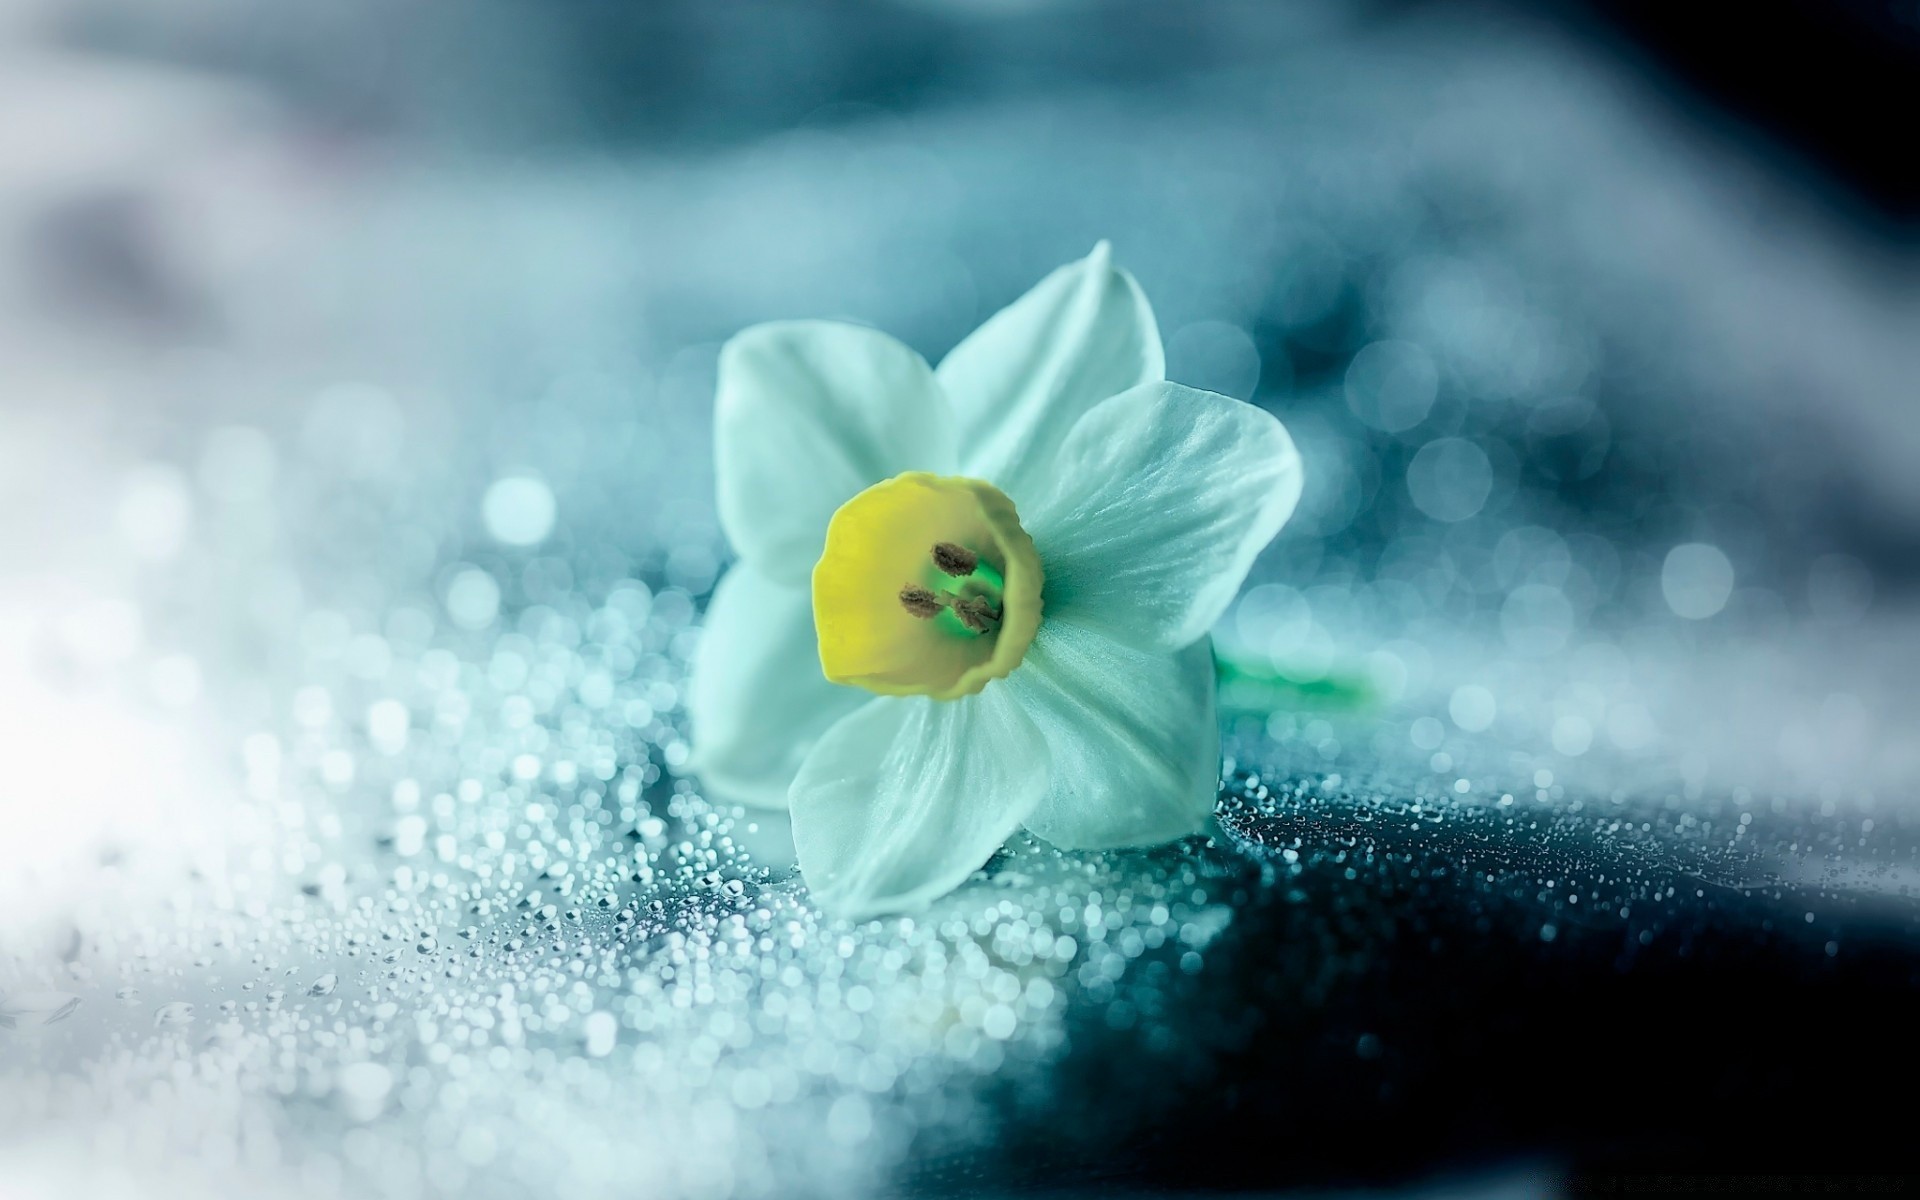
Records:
x=976, y=614
x=954, y=560
x=920, y=602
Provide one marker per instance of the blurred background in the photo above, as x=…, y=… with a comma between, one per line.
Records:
x=356, y=365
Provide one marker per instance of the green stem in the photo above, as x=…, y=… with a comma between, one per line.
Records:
x=1247, y=687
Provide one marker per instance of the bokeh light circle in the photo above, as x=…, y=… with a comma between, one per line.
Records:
x=1696, y=580
x=519, y=510
x=1450, y=479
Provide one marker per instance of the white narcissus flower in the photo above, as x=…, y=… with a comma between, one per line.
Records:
x=975, y=597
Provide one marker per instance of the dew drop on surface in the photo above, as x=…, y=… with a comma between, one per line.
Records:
x=324, y=985
x=179, y=1012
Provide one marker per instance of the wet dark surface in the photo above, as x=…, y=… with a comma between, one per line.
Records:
x=1412, y=988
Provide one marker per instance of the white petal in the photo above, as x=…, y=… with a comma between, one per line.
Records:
x=1135, y=745
x=807, y=414
x=1163, y=498
x=757, y=698
x=1020, y=381
x=903, y=800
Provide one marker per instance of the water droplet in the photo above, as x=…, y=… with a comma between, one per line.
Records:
x=519, y=510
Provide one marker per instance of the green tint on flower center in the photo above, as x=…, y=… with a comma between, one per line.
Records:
x=928, y=586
